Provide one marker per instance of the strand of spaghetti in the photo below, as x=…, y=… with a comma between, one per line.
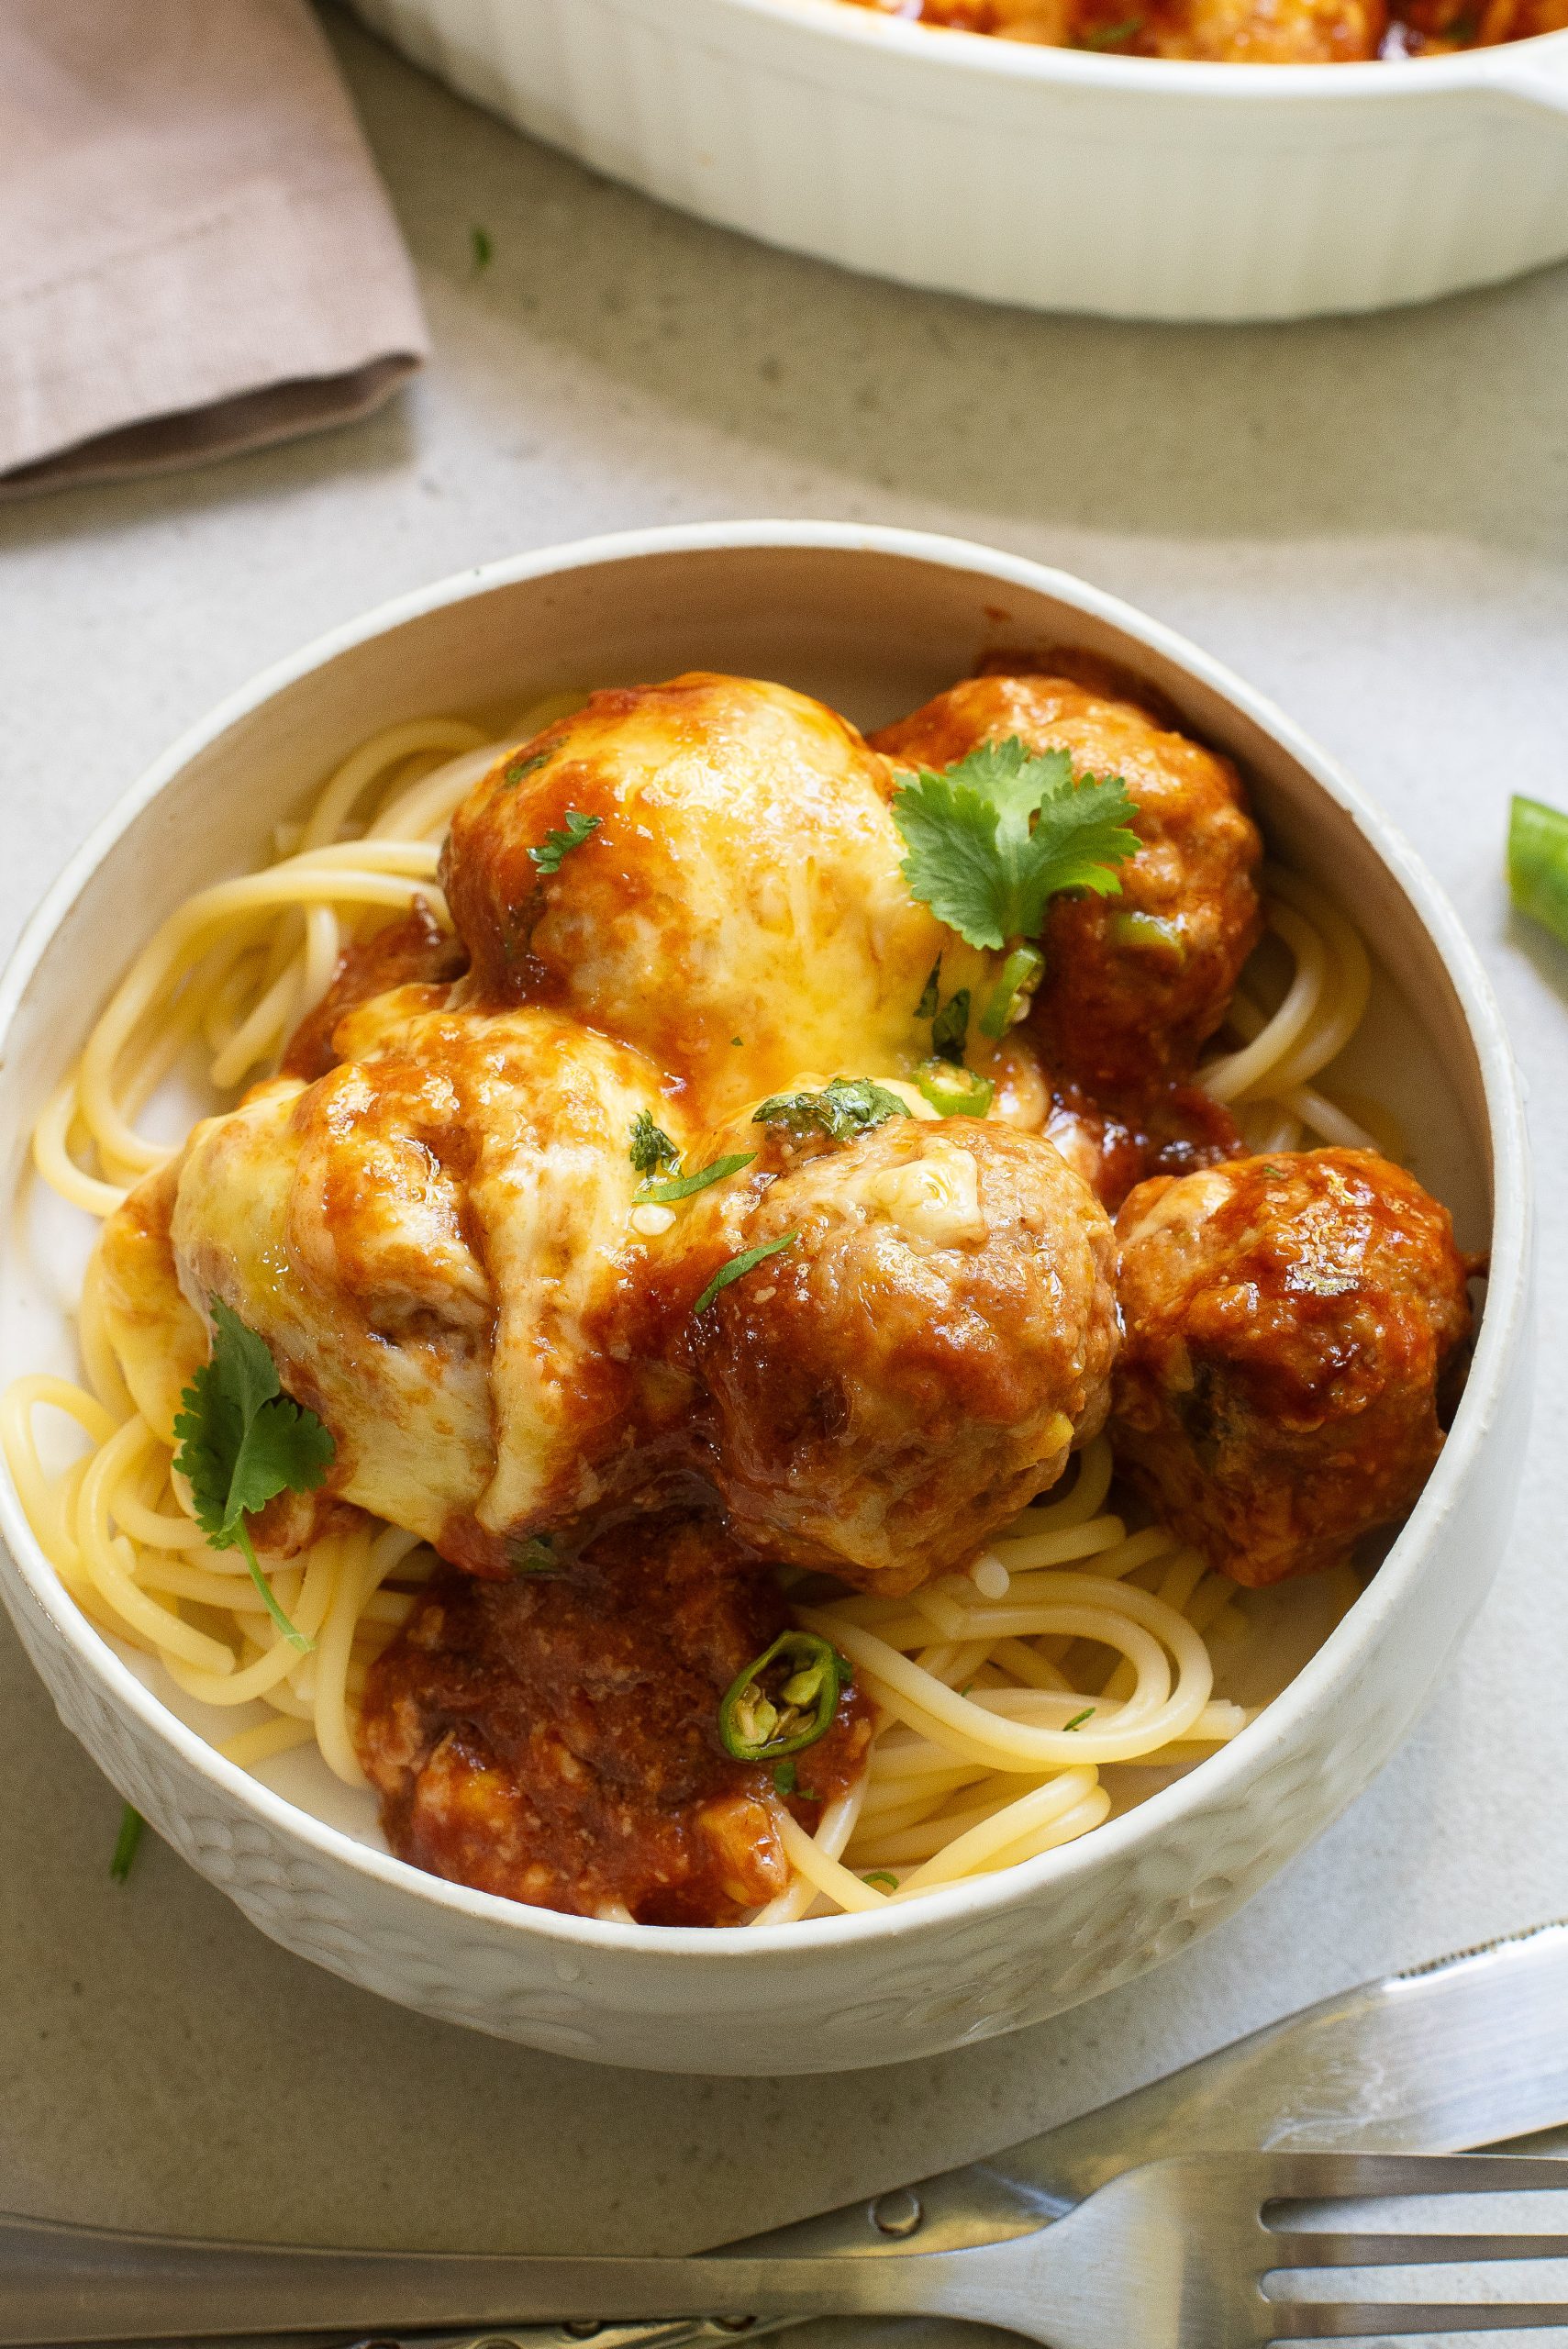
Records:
x=177, y=943
x=1352, y=970
x=1082, y=1819
x=889, y=1843
x=1118, y=1615
x=834, y=1830
x=54, y=1163
x=252, y=1746
x=360, y=769
x=110, y=1560
x=361, y=1571
x=1231, y=1076
x=49, y=1507
x=1028, y=1664
x=969, y=1851
x=1084, y=1500
x=1019, y=1553
x=425, y=808
x=277, y=1657
x=1325, y=1117
x=259, y=1030
x=820, y=1869
x=92, y=1337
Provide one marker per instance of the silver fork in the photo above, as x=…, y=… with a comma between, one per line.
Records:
x=1175, y=2256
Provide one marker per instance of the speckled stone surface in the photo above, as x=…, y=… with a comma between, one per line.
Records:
x=1368, y=519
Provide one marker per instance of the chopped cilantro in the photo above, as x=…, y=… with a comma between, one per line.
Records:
x=846, y=1107
x=686, y=1187
x=1079, y=1719
x=787, y=1778
x=242, y=1440
x=555, y=845
x=126, y=1842
x=652, y=1149
x=482, y=248
x=536, y=1556
x=997, y=835
x=747, y=1259
x=515, y=769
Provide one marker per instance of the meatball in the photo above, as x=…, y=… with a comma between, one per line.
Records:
x=555, y=1740
x=1133, y=984
x=918, y=1360
x=1267, y=32
x=738, y=911
x=1291, y=1323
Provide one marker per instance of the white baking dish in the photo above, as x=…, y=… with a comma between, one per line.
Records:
x=874, y=619
x=1056, y=178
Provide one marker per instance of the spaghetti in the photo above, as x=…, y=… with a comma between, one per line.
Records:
x=1075, y=1646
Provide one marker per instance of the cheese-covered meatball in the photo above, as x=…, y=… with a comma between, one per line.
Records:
x=1291, y=1325
x=734, y=905
x=1259, y=32
x=434, y=1240
x=918, y=1357
x=1133, y=984
x=555, y=1739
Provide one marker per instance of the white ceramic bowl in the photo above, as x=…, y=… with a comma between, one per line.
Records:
x=874, y=620
x=1057, y=178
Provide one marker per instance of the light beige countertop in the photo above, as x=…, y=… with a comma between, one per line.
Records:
x=1369, y=520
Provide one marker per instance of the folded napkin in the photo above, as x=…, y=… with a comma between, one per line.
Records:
x=196, y=252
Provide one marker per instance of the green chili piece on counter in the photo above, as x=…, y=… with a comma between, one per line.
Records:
x=784, y=1702
x=1021, y=974
x=126, y=1842
x=952, y=1090
x=1538, y=863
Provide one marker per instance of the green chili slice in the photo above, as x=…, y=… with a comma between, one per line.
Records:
x=784, y=1702
x=1538, y=863
x=1021, y=974
x=1149, y=930
x=953, y=1091
x=126, y=1842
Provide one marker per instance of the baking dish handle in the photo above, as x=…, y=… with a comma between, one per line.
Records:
x=1536, y=72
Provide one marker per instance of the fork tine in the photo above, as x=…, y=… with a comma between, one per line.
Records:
x=1367, y=2177
x=1375, y=2321
x=1334, y=2249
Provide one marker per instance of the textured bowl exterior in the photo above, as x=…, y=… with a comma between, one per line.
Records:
x=1056, y=179
x=841, y=1993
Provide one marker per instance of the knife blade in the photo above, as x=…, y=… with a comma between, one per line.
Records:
x=1465, y=2052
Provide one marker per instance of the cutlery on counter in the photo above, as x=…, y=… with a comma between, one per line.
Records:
x=1094, y=2216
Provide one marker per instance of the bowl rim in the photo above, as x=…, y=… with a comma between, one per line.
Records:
x=1506, y=69
x=974, y=1899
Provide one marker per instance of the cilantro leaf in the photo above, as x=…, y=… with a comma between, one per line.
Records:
x=846, y=1107
x=652, y=1149
x=747, y=1259
x=995, y=836
x=686, y=1187
x=950, y=1029
x=572, y=834
x=242, y=1440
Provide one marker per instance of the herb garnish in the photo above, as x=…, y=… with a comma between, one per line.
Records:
x=557, y=844
x=516, y=769
x=652, y=1149
x=536, y=1556
x=784, y=1702
x=126, y=1842
x=998, y=833
x=686, y=1187
x=846, y=1106
x=950, y=1029
x=1079, y=1719
x=746, y=1261
x=242, y=1440
x=930, y=994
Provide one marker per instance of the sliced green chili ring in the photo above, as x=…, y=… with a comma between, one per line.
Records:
x=759, y=1725
x=1538, y=863
x=665, y=1192
x=1021, y=974
x=953, y=1091
x=1149, y=930
x=880, y=1877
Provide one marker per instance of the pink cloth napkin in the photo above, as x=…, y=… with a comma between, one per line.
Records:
x=196, y=252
